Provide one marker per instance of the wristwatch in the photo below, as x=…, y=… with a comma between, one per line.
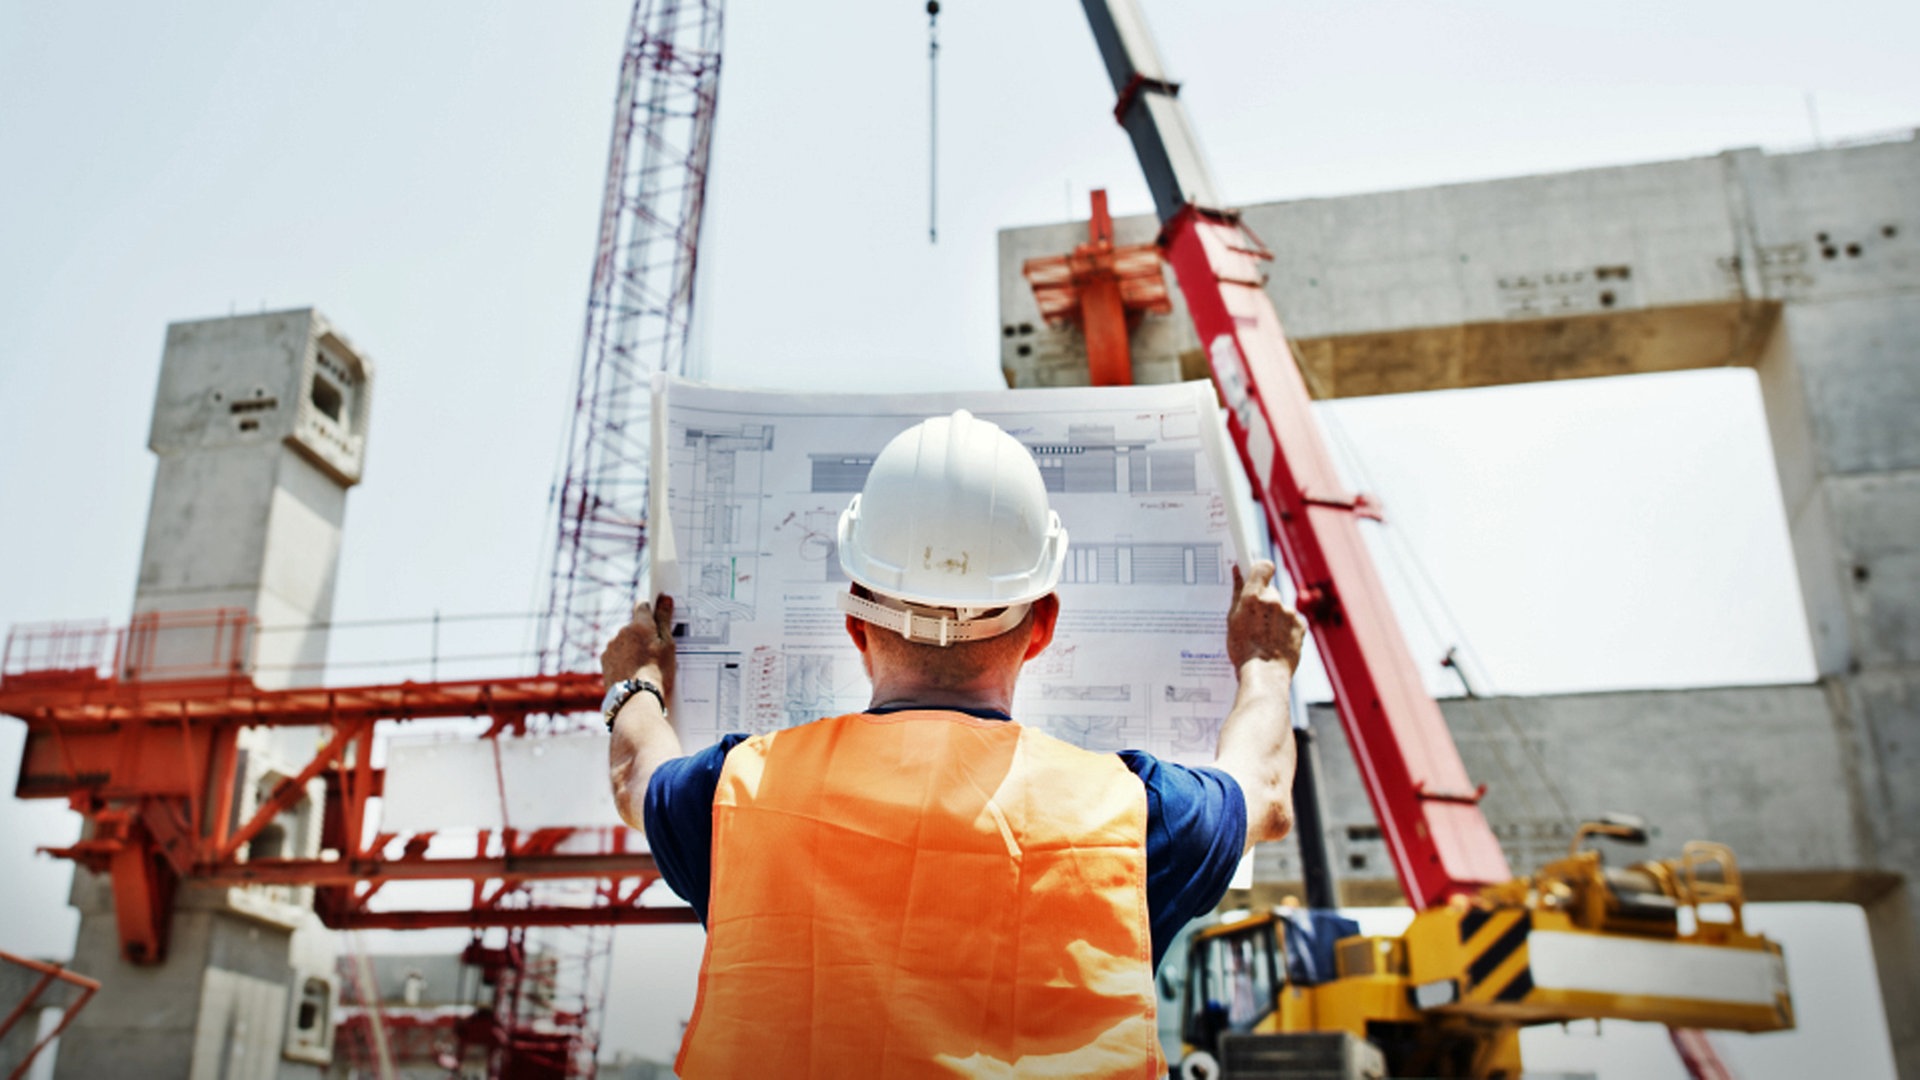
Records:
x=622, y=692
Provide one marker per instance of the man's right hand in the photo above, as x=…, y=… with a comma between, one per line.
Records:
x=1260, y=626
x=1256, y=738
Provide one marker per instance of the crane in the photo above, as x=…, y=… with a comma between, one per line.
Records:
x=1487, y=952
x=639, y=319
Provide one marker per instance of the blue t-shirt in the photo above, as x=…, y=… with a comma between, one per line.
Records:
x=1196, y=828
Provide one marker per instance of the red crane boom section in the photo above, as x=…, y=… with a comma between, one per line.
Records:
x=1429, y=813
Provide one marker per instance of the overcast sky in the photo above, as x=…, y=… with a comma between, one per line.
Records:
x=428, y=174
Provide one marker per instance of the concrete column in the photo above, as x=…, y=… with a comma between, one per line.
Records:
x=1840, y=249
x=260, y=425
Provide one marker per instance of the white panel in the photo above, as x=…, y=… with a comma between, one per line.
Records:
x=440, y=784
x=453, y=784
x=559, y=781
x=1570, y=961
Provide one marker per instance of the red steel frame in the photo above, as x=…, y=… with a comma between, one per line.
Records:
x=49, y=973
x=153, y=765
x=1104, y=290
x=1428, y=810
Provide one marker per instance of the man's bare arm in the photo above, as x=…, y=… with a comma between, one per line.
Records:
x=1264, y=639
x=642, y=737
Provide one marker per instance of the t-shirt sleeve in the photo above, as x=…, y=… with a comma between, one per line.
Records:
x=679, y=819
x=1196, y=833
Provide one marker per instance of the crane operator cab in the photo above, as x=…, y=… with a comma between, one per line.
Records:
x=1664, y=941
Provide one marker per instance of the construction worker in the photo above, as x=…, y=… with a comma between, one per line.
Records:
x=927, y=888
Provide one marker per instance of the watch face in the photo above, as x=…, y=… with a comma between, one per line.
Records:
x=616, y=696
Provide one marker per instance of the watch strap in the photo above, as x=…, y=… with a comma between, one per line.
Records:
x=623, y=692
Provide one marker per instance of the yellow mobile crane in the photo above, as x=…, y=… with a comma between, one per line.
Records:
x=1487, y=952
x=1660, y=941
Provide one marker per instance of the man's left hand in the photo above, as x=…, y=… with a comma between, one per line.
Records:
x=647, y=641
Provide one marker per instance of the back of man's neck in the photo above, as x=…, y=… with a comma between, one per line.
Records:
x=967, y=699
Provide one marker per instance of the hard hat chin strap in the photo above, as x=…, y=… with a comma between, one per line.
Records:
x=932, y=625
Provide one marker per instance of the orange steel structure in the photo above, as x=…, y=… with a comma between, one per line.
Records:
x=49, y=973
x=1103, y=289
x=153, y=763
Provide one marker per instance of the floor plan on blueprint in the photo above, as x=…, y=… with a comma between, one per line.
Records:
x=755, y=486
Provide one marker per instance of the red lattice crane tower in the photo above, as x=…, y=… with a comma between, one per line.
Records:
x=639, y=317
x=639, y=320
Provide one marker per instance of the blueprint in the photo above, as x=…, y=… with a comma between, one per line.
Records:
x=755, y=483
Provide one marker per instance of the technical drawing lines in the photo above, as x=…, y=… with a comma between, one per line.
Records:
x=1198, y=735
x=813, y=535
x=841, y=473
x=715, y=505
x=1143, y=564
x=1072, y=692
x=710, y=684
x=1102, y=734
x=1091, y=460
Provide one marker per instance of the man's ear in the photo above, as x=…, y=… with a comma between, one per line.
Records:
x=1046, y=611
x=857, y=630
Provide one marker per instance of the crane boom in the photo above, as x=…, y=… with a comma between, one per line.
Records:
x=1429, y=813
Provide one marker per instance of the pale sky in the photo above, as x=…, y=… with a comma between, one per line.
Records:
x=428, y=174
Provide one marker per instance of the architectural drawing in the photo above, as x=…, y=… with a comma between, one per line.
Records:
x=1133, y=472
x=714, y=498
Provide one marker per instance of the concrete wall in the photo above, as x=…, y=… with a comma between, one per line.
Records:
x=1725, y=758
x=216, y=1008
x=1804, y=266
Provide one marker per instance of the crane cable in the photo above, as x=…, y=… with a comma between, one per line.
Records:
x=1404, y=556
x=933, y=121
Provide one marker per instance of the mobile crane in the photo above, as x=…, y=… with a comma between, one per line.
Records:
x=1487, y=953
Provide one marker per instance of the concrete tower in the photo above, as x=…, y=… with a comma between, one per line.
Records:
x=259, y=424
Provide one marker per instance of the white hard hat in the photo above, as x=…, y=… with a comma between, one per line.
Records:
x=952, y=526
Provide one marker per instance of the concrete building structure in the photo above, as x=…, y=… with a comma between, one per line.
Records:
x=260, y=428
x=1804, y=267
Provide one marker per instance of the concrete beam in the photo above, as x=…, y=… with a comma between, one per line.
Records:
x=1725, y=757
x=1641, y=268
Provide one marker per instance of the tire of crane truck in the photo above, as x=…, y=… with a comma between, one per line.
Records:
x=1306, y=1055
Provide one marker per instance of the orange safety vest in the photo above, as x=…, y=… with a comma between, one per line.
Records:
x=925, y=894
